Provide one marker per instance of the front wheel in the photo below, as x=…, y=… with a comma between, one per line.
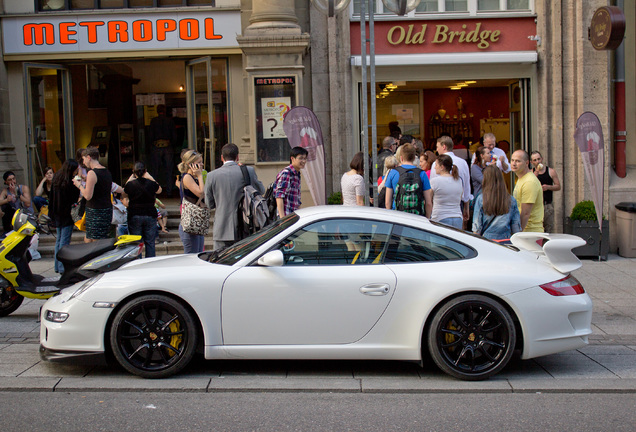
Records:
x=471, y=337
x=153, y=336
x=10, y=301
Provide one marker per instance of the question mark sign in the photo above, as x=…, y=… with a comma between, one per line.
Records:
x=273, y=126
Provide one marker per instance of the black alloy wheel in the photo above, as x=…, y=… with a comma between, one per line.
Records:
x=153, y=336
x=10, y=301
x=471, y=337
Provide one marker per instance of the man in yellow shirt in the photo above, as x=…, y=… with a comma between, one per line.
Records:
x=528, y=193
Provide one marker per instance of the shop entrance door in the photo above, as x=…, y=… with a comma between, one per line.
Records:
x=519, y=118
x=200, y=109
x=49, y=118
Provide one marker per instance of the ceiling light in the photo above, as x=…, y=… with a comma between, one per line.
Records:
x=455, y=88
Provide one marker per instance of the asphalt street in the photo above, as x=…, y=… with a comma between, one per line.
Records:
x=606, y=365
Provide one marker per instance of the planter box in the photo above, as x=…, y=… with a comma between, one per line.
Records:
x=588, y=231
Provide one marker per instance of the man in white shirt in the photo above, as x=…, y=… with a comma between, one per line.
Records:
x=445, y=146
x=490, y=142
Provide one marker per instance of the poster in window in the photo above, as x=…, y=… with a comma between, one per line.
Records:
x=273, y=111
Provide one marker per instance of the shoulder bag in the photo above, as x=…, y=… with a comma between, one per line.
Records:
x=195, y=218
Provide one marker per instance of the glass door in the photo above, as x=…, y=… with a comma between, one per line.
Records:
x=49, y=118
x=519, y=118
x=200, y=109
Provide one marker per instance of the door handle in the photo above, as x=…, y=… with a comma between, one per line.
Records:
x=377, y=289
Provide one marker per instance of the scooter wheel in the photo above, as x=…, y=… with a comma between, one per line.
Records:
x=9, y=301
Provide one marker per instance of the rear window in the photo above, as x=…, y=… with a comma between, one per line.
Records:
x=409, y=245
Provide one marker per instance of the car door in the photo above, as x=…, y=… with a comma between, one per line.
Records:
x=331, y=289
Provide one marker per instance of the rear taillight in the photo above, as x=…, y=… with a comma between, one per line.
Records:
x=564, y=287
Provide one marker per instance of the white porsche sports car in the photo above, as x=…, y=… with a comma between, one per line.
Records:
x=332, y=282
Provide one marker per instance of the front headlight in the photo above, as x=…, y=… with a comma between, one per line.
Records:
x=57, y=317
x=86, y=285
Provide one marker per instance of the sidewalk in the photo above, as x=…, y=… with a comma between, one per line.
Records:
x=607, y=365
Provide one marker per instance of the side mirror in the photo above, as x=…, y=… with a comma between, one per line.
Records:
x=272, y=259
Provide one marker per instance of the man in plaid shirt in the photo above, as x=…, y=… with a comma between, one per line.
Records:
x=287, y=189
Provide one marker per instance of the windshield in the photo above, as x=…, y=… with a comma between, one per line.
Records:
x=237, y=251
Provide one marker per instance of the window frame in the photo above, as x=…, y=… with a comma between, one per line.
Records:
x=126, y=5
x=472, y=11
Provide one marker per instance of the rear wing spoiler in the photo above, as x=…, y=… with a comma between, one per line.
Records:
x=557, y=250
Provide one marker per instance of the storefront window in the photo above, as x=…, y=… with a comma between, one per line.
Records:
x=140, y=3
x=82, y=4
x=518, y=4
x=114, y=4
x=170, y=3
x=457, y=5
x=428, y=6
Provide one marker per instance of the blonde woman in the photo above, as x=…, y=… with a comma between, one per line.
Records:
x=192, y=188
x=390, y=162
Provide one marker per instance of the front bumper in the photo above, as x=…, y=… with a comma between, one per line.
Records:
x=82, y=332
x=76, y=357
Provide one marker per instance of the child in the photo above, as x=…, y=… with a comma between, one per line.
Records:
x=162, y=215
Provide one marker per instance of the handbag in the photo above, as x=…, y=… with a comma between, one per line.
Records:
x=120, y=212
x=195, y=218
x=77, y=209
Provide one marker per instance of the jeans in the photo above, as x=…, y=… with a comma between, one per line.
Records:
x=63, y=239
x=146, y=227
x=455, y=222
x=192, y=243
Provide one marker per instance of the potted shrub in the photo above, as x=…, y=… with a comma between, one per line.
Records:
x=583, y=223
x=335, y=198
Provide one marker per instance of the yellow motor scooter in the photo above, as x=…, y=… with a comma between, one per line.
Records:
x=81, y=261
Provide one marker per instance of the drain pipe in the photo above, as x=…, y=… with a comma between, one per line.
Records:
x=620, y=132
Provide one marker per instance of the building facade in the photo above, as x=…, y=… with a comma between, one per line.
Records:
x=82, y=72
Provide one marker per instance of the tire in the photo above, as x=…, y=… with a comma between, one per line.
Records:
x=10, y=301
x=153, y=336
x=471, y=337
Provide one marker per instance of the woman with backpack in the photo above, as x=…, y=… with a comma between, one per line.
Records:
x=496, y=215
x=447, y=193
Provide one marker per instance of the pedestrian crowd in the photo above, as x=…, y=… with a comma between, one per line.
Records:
x=458, y=189
x=442, y=187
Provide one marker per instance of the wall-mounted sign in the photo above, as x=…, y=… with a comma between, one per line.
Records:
x=449, y=36
x=119, y=32
x=607, y=29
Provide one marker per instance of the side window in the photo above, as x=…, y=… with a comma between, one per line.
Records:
x=337, y=242
x=410, y=245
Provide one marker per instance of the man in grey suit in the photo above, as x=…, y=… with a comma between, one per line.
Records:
x=223, y=191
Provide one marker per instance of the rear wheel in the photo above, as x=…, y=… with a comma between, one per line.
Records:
x=153, y=336
x=471, y=337
x=10, y=301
